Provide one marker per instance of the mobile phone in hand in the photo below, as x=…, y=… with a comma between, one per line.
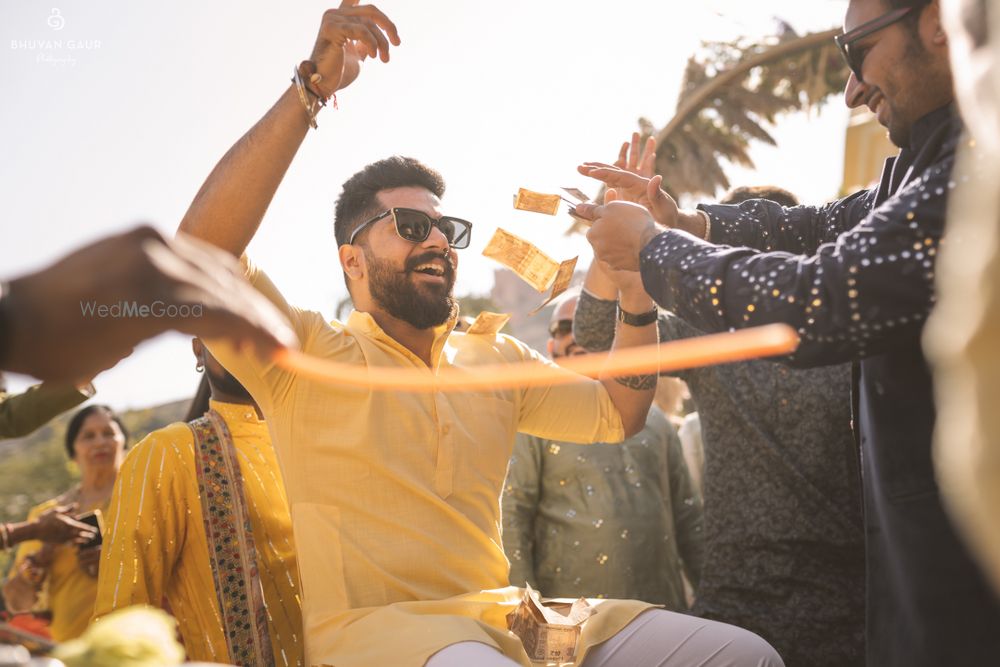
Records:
x=95, y=519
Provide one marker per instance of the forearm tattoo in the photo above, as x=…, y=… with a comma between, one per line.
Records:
x=594, y=323
x=637, y=382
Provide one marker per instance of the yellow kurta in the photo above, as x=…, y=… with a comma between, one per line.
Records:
x=71, y=591
x=155, y=548
x=395, y=496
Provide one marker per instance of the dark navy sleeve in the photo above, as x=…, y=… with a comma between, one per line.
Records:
x=846, y=300
x=768, y=226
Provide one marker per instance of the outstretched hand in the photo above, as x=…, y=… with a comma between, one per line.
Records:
x=625, y=281
x=633, y=187
x=638, y=159
x=56, y=525
x=61, y=328
x=618, y=232
x=348, y=35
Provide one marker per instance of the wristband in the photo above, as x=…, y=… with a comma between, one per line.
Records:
x=640, y=320
x=708, y=226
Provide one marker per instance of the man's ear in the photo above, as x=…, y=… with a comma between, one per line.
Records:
x=550, y=345
x=935, y=28
x=199, y=349
x=352, y=260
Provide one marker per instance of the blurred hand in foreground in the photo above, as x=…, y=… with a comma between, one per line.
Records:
x=88, y=311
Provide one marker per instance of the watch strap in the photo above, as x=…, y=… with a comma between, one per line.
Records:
x=639, y=320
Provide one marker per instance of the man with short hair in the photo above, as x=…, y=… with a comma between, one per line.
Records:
x=394, y=495
x=855, y=277
x=602, y=520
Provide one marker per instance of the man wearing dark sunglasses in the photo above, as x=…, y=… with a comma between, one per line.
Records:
x=394, y=495
x=561, y=343
x=856, y=278
x=898, y=60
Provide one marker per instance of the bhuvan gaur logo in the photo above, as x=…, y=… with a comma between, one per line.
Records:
x=56, y=20
x=53, y=51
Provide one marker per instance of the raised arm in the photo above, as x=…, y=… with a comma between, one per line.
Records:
x=849, y=300
x=21, y=414
x=55, y=324
x=757, y=223
x=632, y=395
x=230, y=205
x=768, y=226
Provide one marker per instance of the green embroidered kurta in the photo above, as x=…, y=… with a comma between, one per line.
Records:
x=615, y=521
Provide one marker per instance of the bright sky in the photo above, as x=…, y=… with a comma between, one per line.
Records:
x=121, y=116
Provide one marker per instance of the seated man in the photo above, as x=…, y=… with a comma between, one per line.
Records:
x=394, y=496
x=170, y=533
x=604, y=521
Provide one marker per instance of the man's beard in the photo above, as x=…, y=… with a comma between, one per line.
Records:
x=915, y=59
x=227, y=384
x=395, y=292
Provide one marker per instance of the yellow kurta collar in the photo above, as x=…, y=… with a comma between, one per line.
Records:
x=364, y=323
x=238, y=416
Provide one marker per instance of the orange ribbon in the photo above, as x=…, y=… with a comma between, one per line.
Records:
x=752, y=343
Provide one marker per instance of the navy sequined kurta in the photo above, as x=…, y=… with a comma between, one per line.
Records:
x=856, y=279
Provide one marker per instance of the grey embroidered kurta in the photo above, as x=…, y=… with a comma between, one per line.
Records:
x=603, y=520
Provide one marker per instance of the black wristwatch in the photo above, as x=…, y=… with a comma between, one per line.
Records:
x=634, y=320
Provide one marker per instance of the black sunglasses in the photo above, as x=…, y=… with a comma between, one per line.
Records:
x=856, y=57
x=561, y=328
x=415, y=226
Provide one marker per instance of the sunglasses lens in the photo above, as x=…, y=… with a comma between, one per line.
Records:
x=855, y=60
x=561, y=328
x=413, y=225
x=458, y=232
x=447, y=228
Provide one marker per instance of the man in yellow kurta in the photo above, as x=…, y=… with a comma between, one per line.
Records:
x=156, y=549
x=395, y=495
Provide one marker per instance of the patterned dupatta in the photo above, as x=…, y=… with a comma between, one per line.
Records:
x=231, y=550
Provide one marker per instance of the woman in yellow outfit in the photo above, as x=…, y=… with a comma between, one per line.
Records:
x=95, y=441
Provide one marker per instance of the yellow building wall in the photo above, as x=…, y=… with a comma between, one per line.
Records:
x=866, y=147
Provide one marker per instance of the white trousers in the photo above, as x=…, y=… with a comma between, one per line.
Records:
x=656, y=638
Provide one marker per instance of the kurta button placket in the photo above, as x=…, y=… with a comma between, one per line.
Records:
x=444, y=472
